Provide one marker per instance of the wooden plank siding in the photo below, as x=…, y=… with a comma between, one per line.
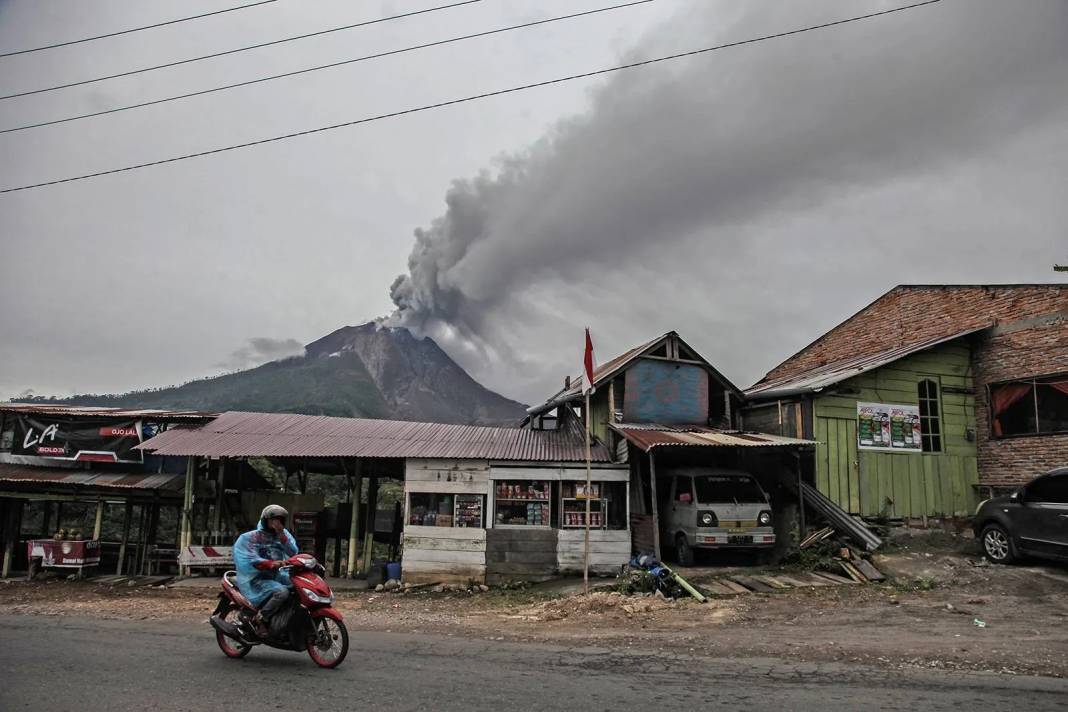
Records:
x=609, y=549
x=874, y=483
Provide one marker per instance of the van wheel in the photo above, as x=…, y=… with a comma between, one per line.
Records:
x=683, y=552
x=997, y=546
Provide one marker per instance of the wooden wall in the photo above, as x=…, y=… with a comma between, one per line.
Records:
x=901, y=484
x=609, y=549
x=520, y=554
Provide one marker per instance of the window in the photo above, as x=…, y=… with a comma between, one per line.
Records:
x=445, y=510
x=713, y=489
x=930, y=424
x=1052, y=489
x=522, y=502
x=683, y=489
x=607, y=502
x=1029, y=407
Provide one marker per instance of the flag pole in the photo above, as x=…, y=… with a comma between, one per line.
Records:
x=586, y=554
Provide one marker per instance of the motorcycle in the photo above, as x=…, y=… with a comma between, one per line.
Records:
x=308, y=622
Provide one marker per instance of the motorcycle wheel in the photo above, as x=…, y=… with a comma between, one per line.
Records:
x=231, y=648
x=329, y=645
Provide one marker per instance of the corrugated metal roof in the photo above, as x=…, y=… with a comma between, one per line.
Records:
x=650, y=435
x=87, y=478
x=99, y=411
x=237, y=434
x=817, y=379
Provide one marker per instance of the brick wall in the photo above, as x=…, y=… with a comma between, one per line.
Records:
x=911, y=314
x=1014, y=352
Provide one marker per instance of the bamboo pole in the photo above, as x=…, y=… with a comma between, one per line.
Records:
x=586, y=543
x=354, y=521
x=369, y=524
x=126, y=517
x=656, y=506
x=98, y=524
x=186, y=534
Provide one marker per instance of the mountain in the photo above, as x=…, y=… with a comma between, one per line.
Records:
x=362, y=371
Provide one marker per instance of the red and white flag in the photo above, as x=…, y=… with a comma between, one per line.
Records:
x=588, y=364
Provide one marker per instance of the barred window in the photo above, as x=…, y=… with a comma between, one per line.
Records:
x=930, y=423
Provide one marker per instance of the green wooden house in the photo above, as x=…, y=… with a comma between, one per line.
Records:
x=896, y=430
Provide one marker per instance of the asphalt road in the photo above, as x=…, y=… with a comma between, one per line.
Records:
x=77, y=664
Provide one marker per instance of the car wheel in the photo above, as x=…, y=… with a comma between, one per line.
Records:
x=997, y=546
x=683, y=552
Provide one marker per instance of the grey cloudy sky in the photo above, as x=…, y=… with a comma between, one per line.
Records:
x=749, y=198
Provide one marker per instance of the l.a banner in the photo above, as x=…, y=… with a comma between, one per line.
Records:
x=77, y=439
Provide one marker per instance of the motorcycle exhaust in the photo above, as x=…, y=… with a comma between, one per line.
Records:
x=228, y=629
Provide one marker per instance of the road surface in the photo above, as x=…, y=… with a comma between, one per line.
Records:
x=65, y=663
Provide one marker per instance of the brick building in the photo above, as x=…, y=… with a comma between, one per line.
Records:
x=982, y=370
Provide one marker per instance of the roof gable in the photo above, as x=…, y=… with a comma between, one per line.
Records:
x=910, y=315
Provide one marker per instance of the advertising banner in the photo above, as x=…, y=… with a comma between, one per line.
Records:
x=888, y=427
x=78, y=439
x=64, y=554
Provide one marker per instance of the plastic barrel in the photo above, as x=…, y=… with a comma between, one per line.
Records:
x=393, y=570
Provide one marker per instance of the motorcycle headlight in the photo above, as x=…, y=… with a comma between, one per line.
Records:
x=317, y=598
x=764, y=519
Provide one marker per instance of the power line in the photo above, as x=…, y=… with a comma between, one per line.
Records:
x=475, y=97
x=239, y=49
x=329, y=66
x=136, y=29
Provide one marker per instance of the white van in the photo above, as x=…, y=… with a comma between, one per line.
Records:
x=713, y=508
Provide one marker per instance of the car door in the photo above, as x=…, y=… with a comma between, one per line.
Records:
x=1044, y=521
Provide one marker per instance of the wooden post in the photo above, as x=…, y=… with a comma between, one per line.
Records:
x=11, y=527
x=151, y=537
x=7, y=514
x=369, y=524
x=354, y=520
x=656, y=506
x=220, y=484
x=800, y=496
x=186, y=515
x=98, y=523
x=46, y=524
x=126, y=517
x=586, y=542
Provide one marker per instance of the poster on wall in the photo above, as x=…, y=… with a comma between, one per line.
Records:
x=77, y=439
x=888, y=427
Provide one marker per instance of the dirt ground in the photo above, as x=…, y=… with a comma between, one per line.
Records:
x=925, y=616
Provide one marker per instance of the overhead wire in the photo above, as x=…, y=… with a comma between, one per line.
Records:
x=475, y=97
x=136, y=29
x=364, y=58
x=225, y=53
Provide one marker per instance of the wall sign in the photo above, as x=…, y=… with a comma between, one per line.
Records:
x=78, y=439
x=665, y=392
x=888, y=427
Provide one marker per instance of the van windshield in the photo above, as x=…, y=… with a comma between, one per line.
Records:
x=727, y=488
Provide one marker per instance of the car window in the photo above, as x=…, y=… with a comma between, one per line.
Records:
x=728, y=488
x=683, y=490
x=1052, y=489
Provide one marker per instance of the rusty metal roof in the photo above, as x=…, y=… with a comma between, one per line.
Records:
x=100, y=411
x=817, y=379
x=89, y=478
x=238, y=434
x=650, y=435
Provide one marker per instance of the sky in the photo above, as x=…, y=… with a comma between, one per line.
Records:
x=749, y=198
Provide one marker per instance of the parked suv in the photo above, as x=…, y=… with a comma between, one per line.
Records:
x=716, y=509
x=1032, y=521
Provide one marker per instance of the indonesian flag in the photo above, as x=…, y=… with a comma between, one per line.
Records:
x=588, y=364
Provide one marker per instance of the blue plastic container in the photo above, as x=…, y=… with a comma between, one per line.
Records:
x=393, y=570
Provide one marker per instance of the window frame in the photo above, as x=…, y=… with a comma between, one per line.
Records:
x=1034, y=382
x=925, y=433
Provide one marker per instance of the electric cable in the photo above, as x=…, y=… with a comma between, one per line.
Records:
x=224, y=53
x=136, y=29
x=364, y=58
x=475, y=97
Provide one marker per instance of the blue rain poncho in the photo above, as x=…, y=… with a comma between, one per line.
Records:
x=252, y=553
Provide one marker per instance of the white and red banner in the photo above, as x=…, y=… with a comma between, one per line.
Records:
x=77, y=439
x=64, y=554
x=207, y=556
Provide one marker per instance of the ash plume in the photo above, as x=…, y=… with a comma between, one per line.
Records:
x=698, y=156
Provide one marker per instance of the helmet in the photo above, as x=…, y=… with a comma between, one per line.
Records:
x=273, y=511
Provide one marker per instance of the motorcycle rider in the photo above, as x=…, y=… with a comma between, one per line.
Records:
x=258, y=556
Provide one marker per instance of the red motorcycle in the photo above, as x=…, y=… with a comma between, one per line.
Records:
x=308, y=622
